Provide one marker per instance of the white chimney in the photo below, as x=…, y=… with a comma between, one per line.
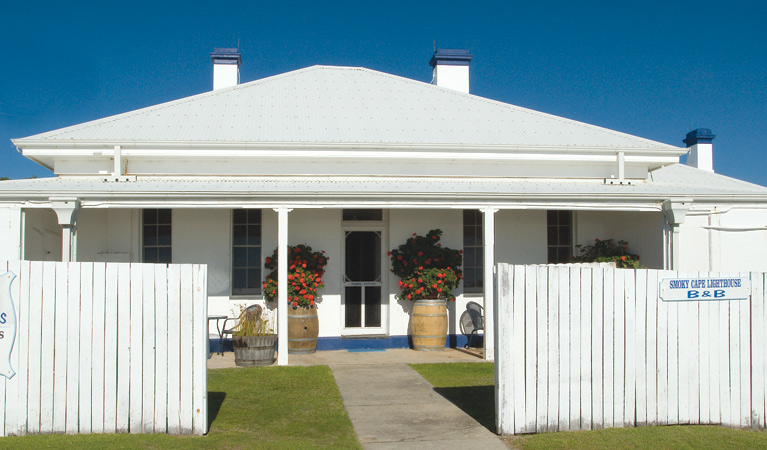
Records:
x=700, y=151
x=451, y=69
x=226, y=67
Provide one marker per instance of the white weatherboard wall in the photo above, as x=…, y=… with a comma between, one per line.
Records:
x=107, y=348
x=580, y=348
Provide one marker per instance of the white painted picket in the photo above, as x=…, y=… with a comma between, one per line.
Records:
x=107, y=348
x=593, y=347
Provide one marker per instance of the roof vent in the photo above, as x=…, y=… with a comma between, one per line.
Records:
x=226, y=67
x=451, y=69
x=700, y=153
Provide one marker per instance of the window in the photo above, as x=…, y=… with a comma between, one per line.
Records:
x=350, y=215
x=560, y=236
x=473, y=258
x=246, y=252
x=157, y=236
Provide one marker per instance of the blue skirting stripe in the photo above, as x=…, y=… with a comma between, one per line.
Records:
x=341, y=343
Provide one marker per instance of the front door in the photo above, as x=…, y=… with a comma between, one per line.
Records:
x=363, y=281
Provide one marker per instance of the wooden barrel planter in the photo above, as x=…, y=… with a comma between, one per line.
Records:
x=428, y=325
x=254, y=350
x=303, y=329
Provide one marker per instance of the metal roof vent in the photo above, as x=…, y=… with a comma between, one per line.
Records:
x=226, y=67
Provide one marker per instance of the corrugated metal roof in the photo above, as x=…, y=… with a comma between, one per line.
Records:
x=673, y=181
x=343, y=105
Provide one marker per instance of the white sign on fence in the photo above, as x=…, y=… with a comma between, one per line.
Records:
x=697, y=289
x=7, y=324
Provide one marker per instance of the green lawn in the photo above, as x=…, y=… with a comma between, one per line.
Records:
x=470, y=387
x=265, y=407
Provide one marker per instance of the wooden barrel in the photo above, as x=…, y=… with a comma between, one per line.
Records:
x=254, y=350
x=428, y=325
x=303, y=329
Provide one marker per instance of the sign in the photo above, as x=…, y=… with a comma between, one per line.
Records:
x=697, y=289
x=7, y=324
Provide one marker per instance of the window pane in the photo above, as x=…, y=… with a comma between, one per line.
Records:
x=163, y=235
x=552, y=236
x=363, y=256
x=254, y=216
x=254, y=234
x=551, y=217
x=150, y=216
x=564, y=235
x=239, y=257
x=240, y=216
x=564, y=255
x=362, y=214
x=469, y=236
x=239, y=235
x=469, y=258
x=164, y=216
x=150, y=255
x=254, y=256
x=254, y=280
x=565, y=217
x=164, y=255
x=552, y=255
x=239, y=278
x=353, y=300
x=150, y=235
x=372, y=306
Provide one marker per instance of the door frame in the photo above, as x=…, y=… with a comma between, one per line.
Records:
x=383, y=330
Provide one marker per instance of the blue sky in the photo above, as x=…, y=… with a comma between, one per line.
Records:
x=653, y=69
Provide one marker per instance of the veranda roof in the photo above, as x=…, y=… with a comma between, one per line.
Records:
x=669, y=182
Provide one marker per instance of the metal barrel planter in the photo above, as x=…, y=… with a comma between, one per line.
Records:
x=428, y=325
x=303, y=329
x=254, y=350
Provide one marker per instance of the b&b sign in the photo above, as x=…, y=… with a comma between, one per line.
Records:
x=697, y=289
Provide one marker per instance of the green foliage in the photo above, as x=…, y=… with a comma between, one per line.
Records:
x=305, y=271
x=421, y=263
x=606, y=250
x=4, y=178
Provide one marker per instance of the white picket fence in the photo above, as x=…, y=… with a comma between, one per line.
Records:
x=107, y=348
x=582, y=348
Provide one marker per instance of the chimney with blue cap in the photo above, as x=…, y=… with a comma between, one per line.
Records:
x=700, y=150
x=226, y=67
x=451, y=69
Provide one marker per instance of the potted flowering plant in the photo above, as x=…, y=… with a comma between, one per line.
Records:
x=305, y=271
x=428, y=273
x=606, y=250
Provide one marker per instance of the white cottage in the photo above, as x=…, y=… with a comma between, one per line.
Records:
x=353, y=161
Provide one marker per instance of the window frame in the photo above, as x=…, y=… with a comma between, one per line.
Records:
x=479, y=246
x=559, y=226
x=245, y=291
x=156, y=246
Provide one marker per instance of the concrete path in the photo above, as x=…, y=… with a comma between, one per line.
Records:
x=392, y=407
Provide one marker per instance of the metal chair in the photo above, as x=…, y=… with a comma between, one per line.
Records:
x=250, y=310
x=472, y=322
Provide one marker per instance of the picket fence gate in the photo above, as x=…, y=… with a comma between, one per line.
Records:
x=582, y=348
x=107, y=348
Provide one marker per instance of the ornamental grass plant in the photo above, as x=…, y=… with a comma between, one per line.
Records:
x=425, y=268
x=305, y=271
